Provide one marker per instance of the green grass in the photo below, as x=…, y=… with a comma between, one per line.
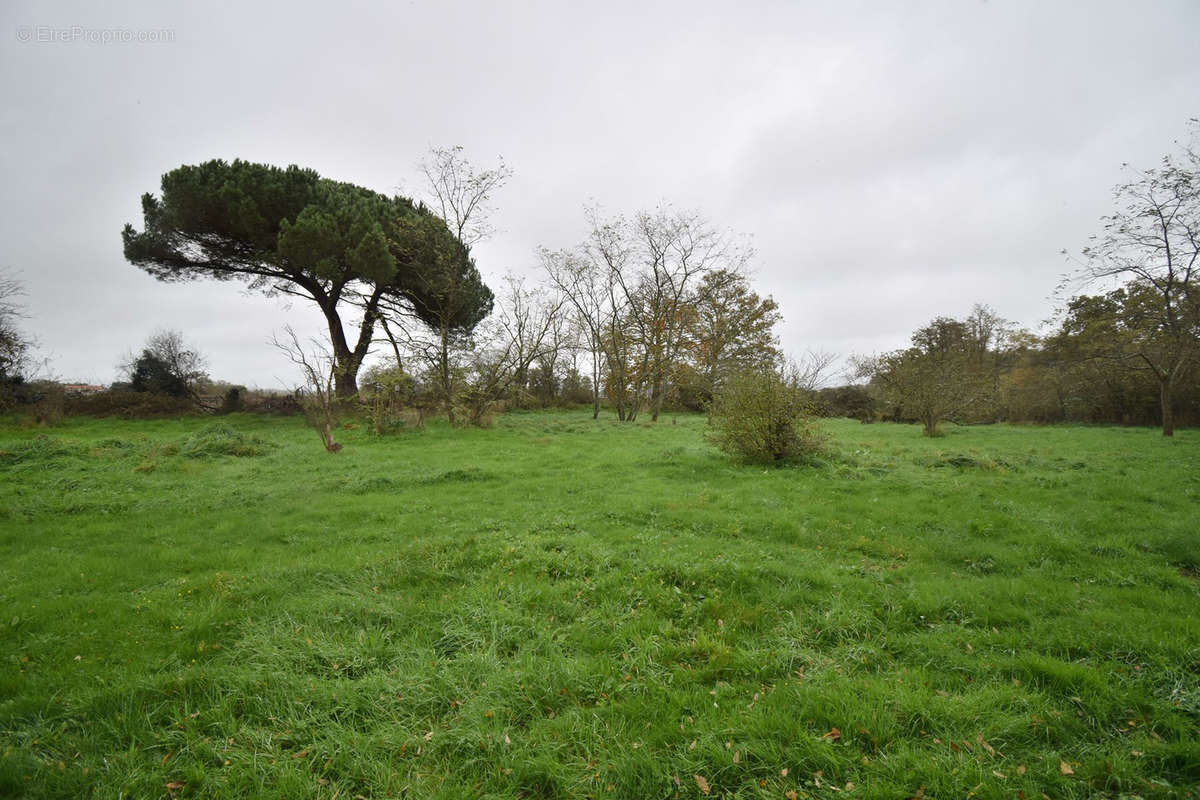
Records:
x=558, y=607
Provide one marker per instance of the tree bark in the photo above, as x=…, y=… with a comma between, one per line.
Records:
x=1168, y=410
x=347, y=361
x=595, y=385
x=444, y=366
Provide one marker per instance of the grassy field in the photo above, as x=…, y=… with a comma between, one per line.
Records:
x=558, y=607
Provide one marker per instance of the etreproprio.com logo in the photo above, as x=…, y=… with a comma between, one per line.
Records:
x=51, y=34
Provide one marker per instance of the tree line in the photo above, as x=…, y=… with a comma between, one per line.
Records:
x=1126, y=354
x=984, y=369
x=649, y=312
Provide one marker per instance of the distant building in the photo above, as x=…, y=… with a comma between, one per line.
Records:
x=82, y=388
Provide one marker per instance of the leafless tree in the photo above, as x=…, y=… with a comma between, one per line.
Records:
x=811, y=370
x=453, y=299
x=14, y=344
x=526, y=327
x=589, y=291
x=317, y=392
x=1152, y=242
x=631, y=285
x=461, y=194
x=166, y=364
x=672, y=250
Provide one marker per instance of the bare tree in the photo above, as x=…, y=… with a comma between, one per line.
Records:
x=811, y=370
x=526, y=328
x=451, y=297
x=317, y=394
x=1152, y=242
x=631, y=286
x=673, y=251
x=461, y=194
x=612, y=253
x=587, y=289
x=15, y=346
x=167, y=364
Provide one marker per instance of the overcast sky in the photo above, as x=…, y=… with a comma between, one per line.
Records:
x=892, y=161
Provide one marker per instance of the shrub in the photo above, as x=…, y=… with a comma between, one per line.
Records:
x=764, y=417
x=48, y=407
x=233, y=402
x=387, y=395
x=279, y=405
x=127, y=405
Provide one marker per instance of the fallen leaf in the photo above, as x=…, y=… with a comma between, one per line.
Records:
x=174, y=786
x=1065, y=768
x=783, y=772
x=507, y=740
x=737, y=756
x=833, y=735
x=1136, y=753
x=790, y=794
x=1021, y=770
x=165, y=759
x=849, y=786
x=692, y=746
x=999, y=774
x=991, y=750
x=429, y=736
x=301, y=754
x=920, y=793
x=703, y=784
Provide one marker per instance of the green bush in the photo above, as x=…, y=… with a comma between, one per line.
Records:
x=764, y=417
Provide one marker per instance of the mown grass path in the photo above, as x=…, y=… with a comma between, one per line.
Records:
x=558, y=607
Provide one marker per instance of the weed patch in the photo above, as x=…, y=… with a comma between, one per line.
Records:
x=218, y=439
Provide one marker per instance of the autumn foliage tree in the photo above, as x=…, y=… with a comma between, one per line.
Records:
x=731, y=330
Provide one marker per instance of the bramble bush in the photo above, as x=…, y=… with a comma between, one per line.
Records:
x=764, y=417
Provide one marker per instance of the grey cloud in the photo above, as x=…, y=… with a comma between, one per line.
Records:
x=891, y=161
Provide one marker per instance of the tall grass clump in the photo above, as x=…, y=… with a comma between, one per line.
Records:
x=221, y=440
